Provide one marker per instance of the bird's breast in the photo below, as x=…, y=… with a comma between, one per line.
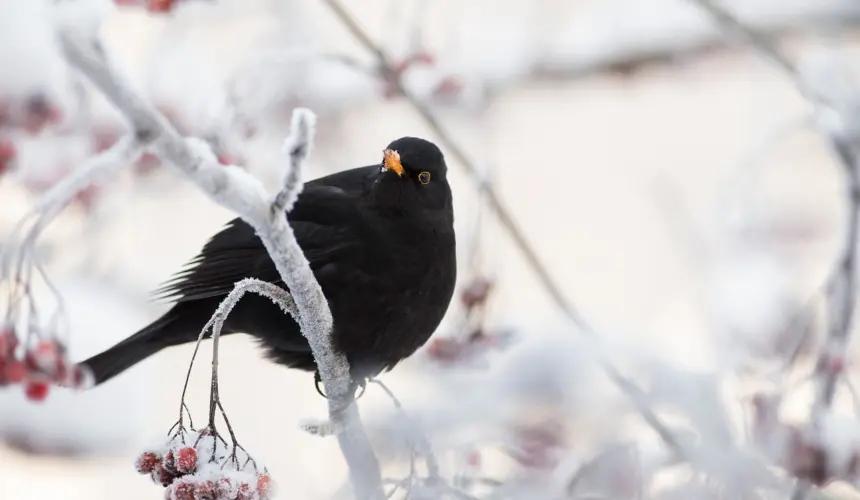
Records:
x=405, y=287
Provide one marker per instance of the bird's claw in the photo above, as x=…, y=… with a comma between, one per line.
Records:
x=362, y=384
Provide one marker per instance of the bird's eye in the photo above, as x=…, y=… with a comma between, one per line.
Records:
x=424, y=177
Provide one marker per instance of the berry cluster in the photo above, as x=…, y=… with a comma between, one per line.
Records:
x=38, y=366
x=201, y=465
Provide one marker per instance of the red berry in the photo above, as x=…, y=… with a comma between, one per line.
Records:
x=226, y=488
x=225, y=159
x=244, y=492
x=180, y=491
x=8, y=339
x=39, y=112
x=444, y=349
x=159, y=6
x=169, y=463
x=160, y=475
x=186, y=460
x=265, y=486
x=206, y=490
x=146, y=462
x=476, y=293
x=15, y=372
x=448, y=87
x=36, y=390
x=474, y=459
x=147, y=163
x=104, y=139
x=88, y=196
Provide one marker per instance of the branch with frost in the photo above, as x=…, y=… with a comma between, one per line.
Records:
x=234, y=189
x=276, y=294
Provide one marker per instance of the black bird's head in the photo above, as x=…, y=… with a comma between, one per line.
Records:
x=413, y=175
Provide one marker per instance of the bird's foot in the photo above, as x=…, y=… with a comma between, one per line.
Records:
x=361, y=384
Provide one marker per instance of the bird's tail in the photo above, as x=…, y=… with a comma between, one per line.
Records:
x=169, y=330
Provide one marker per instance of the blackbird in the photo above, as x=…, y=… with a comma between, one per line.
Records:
x=380, y=241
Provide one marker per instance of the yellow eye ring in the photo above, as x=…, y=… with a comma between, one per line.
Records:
x=424, y=177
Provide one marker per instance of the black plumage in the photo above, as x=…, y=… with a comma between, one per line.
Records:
x=380, y=241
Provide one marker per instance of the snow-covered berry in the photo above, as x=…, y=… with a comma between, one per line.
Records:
x=265, y=486
x=206, y=490
x=245, y=492
x=146, y=462
x=160, y=475
x=227, y=488
x=180, y=490
x=186, y=460
x=169, y=463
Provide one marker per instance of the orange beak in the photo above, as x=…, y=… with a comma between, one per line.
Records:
x=392, y=162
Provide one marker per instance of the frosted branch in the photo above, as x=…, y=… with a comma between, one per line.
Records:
x=298, y=148
x=234, y=189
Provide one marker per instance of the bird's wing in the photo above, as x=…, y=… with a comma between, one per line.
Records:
x=327, y=224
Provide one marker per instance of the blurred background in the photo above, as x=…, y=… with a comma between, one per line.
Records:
x=669, y=178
